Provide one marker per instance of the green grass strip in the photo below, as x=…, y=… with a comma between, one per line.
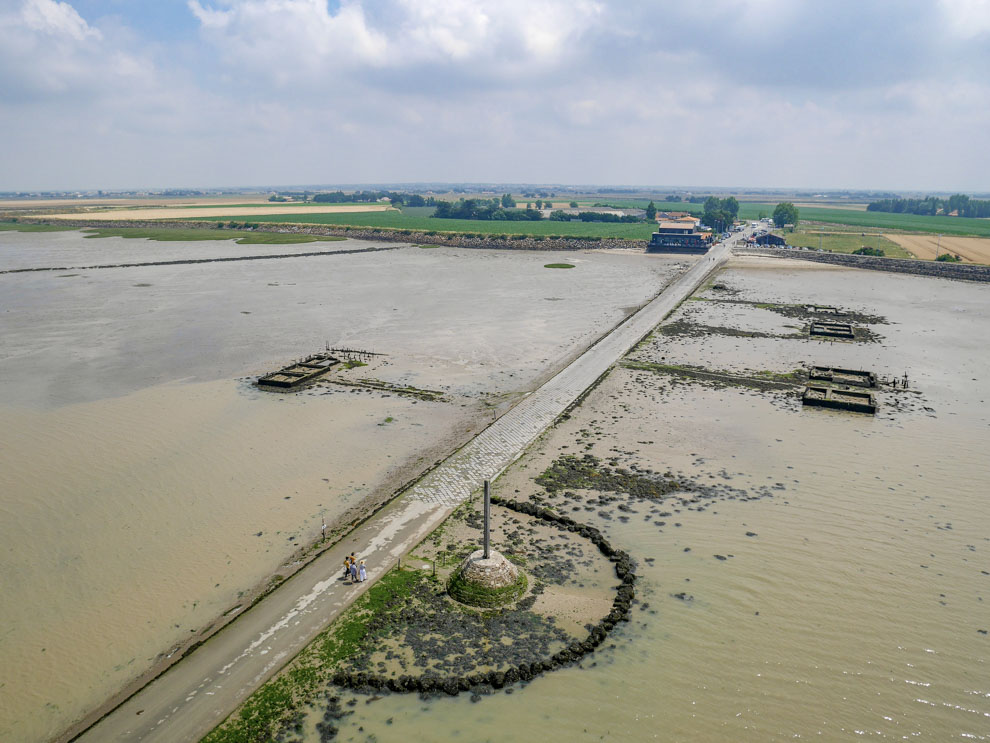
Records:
x=280, y=699
x=242, y=237
x=20, y=227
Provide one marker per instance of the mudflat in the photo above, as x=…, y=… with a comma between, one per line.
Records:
x=148, y=487
x=801, y=572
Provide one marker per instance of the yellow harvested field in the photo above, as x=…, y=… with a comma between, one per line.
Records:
x=179, y=212
x=970, y=249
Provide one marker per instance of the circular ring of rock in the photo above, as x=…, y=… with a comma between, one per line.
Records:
x=454, y=685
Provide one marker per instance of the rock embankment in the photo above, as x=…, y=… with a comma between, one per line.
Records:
x=963, y=271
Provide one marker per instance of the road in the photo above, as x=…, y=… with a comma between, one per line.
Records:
x=198, y=692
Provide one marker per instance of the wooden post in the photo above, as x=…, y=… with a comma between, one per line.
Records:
x=488, y=516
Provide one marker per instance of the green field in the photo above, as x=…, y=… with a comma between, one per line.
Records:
x=901, y=222
x=421, y=222
x=243, y=237
x=17, y=227
x=845, y=243
x=275, y=204
x=166, y=234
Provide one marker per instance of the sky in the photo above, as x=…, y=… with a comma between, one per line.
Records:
x=859, y=94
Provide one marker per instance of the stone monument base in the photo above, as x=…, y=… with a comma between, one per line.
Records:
x=487, y=582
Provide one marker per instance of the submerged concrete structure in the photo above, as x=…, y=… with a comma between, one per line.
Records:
x=298, y=374
x=829, y=329
x=830, y=397
x=851, y=377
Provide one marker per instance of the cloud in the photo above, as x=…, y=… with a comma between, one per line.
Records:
x=483, y=41
x=631, y=91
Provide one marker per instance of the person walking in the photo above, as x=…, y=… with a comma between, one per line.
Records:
x=354, y=572
x=363, y=572
x=347, y=567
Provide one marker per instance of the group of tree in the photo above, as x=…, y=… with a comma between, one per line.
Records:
x=719, y=214
x=562, y=216
x=866, y=250
x=785, y=213
x=338, y=197
x=959, y=204
x=484, y=209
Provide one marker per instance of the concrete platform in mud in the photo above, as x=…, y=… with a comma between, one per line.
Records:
x=828, y=329
x=300, y=373
x=851, y=377
x=829, y=397
x=825, y=309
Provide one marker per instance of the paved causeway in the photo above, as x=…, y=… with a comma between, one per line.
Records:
x=201, y=690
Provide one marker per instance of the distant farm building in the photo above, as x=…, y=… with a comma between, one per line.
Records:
x=678, y=237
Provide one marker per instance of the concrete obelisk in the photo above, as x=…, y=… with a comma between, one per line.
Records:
x=488, y=517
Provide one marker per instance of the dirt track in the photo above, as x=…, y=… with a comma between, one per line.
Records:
x=970, y=249
x=219, y=211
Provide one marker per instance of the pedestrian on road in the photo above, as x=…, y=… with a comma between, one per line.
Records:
x=347, y=567
x=363, y=571
x=354, y=572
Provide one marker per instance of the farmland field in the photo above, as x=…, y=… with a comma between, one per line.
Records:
x=846, y=242
x=402, y=221
x=970, y=249
x=181, y=212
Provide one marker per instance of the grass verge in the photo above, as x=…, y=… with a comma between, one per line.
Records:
x=282, y=699
x=845, y=242
x=242, y=237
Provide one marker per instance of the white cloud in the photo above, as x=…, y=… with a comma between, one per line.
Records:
x=56, y=19
x=967, y=18
x=647, y=91
x=307, y=37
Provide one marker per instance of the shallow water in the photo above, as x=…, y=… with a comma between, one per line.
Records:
x=138, y=465
x=854, y=609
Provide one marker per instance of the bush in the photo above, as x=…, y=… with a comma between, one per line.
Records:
x=949, y=258
x=865, y=250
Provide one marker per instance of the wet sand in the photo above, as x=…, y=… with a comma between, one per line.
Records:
x=826, y=574
x=140, y=465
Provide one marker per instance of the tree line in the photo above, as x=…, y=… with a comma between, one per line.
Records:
x=932, y=206
x=483, y=209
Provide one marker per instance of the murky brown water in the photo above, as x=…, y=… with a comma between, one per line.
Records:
x=138, y=466
x=854, y=609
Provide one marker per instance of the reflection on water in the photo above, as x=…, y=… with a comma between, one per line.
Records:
x=144, y=485
x=851, y=603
